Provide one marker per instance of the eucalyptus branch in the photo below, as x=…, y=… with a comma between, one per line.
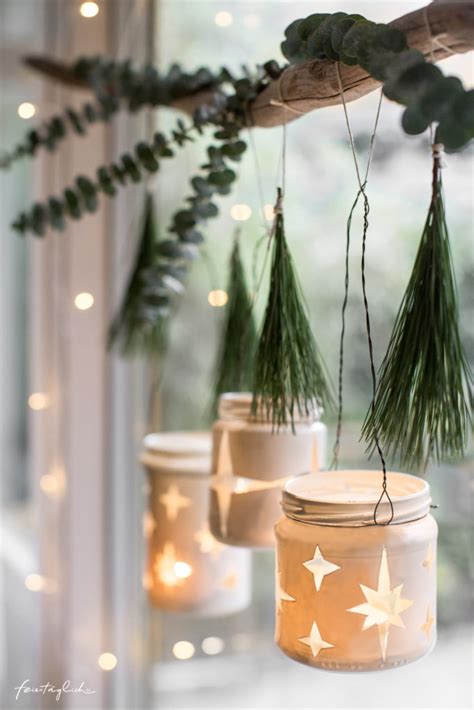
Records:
x=115, y=85
x=383, y=52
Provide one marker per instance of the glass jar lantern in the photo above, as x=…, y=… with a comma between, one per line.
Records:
x=251, y=461
x=352, y=595
x=187, y=568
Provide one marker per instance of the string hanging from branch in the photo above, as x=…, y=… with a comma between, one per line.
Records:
x=289, y=375
x=421, y=406
x=239, y=336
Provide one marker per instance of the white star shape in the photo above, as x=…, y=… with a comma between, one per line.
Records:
x=314, y=641
x=428, y=561
x=319, y=568
x=174, y=501
x=148, y=524
x=426, y=627
x=383, y=606
x=280, y=594
x=229, y=581
x=207, y=542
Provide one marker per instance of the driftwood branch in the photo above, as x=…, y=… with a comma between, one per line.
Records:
x=442, y=28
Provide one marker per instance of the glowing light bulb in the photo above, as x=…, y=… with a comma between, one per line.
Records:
x=34, y=582
x=269, y=212
x=26, y=110
x=38, y=401
x=89, y=9
x=183, y=650
x=240, y=213
x=182, y=570
x=84, y=301
x=212, y=645
x=217, y=298
x=53, y=484
x=168, y=569
x=223, y=18
x=107, y=661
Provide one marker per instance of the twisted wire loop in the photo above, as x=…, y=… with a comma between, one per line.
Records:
x=362, y=186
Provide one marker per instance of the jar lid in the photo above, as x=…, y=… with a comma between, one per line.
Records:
x=185, y=452
x=348, y=498
x=238, y=405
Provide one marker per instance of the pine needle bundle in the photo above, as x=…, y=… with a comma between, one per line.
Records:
x=140, y=325
x=421, y=406
x=289, y=375
x=239, y=336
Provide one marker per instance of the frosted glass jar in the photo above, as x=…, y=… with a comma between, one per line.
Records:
x=351, y=595
x=187, y=568
x=251, y=461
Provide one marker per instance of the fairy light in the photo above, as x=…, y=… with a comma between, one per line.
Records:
x=89, y=9
x=34, y=582
x=182, y=570
x=38, y=401
x=212, y=645
x=84, y=301
x=183, y=650
x=240, y=213
x=269, y=212
x=26, y=110
x=217, y=298
x=223, y=18
x=107, y=661
x=53, y=484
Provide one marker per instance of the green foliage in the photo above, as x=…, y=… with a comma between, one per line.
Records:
x=289, y=376
x=421, y=405
x=140, y=325
x=407, y=77
x=237, y=349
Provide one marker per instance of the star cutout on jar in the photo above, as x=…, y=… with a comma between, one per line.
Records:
x=148, y=524
x=314, y=641
x=383, y=605
x=174, y=502
x=280, y=594
x=319, y=568
x=428, y=561
x=426, y=627
x=229, y=581
x=207, y=542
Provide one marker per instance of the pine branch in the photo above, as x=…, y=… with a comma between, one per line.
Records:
x=289, y=374
x=140, y=325
x=421, y=407
x=237, y=348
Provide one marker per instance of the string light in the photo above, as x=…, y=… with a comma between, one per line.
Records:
x=53, y=484
x=212, y=645
x=37, y=583
x=84, y=301
x=26, y=110
x=183, y=650
x=107, y=661
x=38, y=401
x=223, y=19
x=240, y=212
x=34, y=582
x=217, y=298
x=89, y=9
x=269, y=212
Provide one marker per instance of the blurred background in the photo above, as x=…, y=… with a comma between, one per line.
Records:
x=73, y=416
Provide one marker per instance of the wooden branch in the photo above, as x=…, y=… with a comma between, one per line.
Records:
x=306, y=87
